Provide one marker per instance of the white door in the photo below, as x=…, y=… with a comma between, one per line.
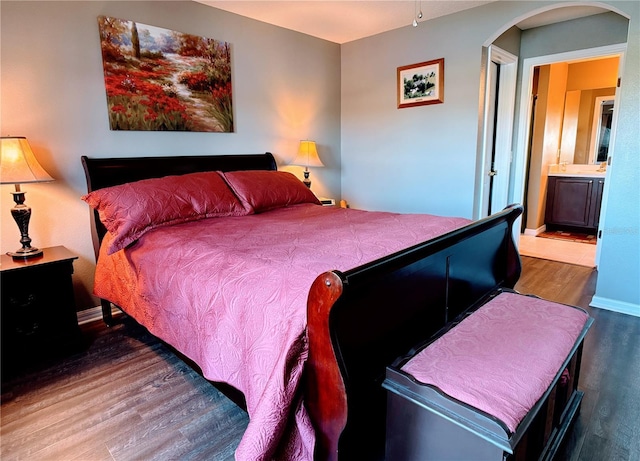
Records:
x=501, y=73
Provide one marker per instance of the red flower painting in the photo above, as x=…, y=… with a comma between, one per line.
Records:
x=161, y=80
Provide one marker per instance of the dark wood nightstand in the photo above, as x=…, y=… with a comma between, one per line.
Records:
x=38, y=309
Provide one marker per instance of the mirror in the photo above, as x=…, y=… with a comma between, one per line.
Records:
x=586, y=84
x=586, y=125
x=602, y=117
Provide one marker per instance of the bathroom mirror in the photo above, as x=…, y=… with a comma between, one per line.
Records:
x=586, y=125
x=601, y=130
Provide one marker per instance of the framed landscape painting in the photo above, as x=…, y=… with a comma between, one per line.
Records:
x=421, y=84
x=161, y=80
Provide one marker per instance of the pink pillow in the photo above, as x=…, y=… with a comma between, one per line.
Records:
x=265, y=190
x=129, y=210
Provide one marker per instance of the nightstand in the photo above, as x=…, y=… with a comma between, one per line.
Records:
x=38, y=309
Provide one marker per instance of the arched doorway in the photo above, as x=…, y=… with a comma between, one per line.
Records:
x=543, y=18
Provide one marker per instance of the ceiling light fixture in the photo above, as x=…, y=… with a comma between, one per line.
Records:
x=416, y=15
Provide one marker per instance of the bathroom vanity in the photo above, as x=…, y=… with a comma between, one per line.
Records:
x=574, y=196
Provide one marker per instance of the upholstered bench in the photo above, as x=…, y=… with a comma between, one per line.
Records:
x=501, y=384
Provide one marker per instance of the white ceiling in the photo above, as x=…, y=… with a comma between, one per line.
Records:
x=344, y=21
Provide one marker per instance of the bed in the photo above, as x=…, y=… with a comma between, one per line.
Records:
x=347, y=306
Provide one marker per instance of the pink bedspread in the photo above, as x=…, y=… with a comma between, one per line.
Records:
x=230, y=293
x=503, y=357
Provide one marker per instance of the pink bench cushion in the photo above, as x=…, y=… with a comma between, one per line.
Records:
x=503, y=357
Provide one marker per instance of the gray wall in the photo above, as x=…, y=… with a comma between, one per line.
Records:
x=418, y=159
x=619, y=270
x=510, y=41
x=590, y=32
x=286, y=88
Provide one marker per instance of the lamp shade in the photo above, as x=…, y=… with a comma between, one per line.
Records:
x=18, y=165
x=307, y=155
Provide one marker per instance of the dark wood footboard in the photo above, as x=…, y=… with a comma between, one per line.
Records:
x=361, y=320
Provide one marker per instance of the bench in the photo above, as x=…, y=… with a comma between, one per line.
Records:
x=500, y=384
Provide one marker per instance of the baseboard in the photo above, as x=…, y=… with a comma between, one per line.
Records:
x=93, y=314
x=615, y=306
x=534, y=232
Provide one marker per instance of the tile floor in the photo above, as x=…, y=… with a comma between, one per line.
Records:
x=583, y=254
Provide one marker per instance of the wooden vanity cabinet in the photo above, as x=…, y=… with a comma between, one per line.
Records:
x=573, y=203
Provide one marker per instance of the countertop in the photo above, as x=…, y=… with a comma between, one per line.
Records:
x=577, y=171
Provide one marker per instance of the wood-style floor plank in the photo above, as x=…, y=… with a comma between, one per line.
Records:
x=128, y=396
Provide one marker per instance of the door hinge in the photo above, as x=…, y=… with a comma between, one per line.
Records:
x=619, y=80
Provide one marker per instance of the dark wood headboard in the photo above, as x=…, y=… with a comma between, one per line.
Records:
x=106, y=172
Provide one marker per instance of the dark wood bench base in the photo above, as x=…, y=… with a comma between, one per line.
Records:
x=424, y=423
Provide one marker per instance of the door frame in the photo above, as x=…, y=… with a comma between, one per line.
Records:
x=520, y=158
x=504, y=127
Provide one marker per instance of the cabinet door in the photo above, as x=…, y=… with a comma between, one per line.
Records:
x=571, y=201
x=38, y=314
x=596, y=202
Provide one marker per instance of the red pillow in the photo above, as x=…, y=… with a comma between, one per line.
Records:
x=265, y=190
x=129, y=210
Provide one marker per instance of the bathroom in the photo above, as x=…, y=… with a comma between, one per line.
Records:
x=571, y=123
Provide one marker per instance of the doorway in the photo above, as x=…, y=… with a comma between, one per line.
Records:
x=530, y=171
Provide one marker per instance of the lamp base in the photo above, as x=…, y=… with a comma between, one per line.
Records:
x=22, y=214
x=306, y=180
x=25, y=253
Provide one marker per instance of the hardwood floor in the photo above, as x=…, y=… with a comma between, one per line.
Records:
x=129, y=397
x=582, y=254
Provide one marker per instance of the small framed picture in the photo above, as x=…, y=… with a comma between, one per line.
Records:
x=421, y=84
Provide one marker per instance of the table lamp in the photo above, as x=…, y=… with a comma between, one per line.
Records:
x=18, y=165
x=307, y=156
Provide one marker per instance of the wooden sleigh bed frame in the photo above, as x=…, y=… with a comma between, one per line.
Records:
x=360, y=320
